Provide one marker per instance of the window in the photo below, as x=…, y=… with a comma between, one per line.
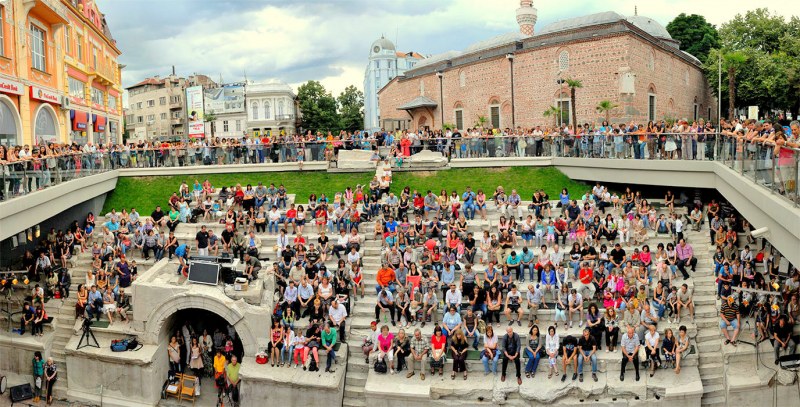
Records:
x=163, y=116
x=563, y=107
x=238, y=125
x=709, y=114
x=563, y=61
x=8, y=126
x=2, y=28
x=494, y=113
x=280, y=108
x=37, y=49
x=112, y=102
x=80, y=48
x=76, y=87
x=267, y=113
x=139, y=119
x=254, y=106
x=695, y=111
x=151, y=118
x=459, y=119
x=225, y=126
x=97, y=96
x=151, y=103
x=45, y=129
x=94, y=57
x=651, y=107
x=67, y=40
x=162, y=100
x=139, y=105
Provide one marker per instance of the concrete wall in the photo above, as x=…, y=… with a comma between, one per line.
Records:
x=291, y=387
x=19, y=214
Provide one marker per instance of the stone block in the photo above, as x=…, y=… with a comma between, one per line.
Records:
x=355, y=159
x=427, y=158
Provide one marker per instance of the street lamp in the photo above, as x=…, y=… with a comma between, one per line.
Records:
x=440, y=75
x=510, y=58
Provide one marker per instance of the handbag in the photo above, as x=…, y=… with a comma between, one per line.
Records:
x=261, y=358
x=380, y=366
x=119, y=345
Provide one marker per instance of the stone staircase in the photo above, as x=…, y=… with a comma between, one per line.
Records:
x=707, y=321
x=356, y=376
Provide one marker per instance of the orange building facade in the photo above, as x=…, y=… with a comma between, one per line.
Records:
x=59, y=76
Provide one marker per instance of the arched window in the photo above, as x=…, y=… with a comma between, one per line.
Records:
x=8, y=124
x=45, y=128
x=280, y=108
x=563, y=61
x=254, y=107
x=267, y=113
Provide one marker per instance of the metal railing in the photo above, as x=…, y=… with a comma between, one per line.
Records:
x=774, y=168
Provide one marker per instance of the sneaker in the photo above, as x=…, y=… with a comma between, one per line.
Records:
x=580, y=378
x=575, y=376
x=594, y=376
x=564, y=378
x=510, y=322
x=570, y=324
x=409, y=375
x=519, y=323
x=580, y=323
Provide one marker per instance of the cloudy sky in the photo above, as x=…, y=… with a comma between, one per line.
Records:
x=329, y=40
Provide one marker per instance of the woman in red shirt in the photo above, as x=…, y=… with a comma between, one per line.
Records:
x=438, y=358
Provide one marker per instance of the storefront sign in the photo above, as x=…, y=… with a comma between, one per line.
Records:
x=45, y=95
x=9, y=86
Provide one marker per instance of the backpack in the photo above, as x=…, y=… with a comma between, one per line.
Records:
x=380, y=366
x=119, y=345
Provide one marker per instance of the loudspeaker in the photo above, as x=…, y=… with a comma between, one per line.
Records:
x=21, y=392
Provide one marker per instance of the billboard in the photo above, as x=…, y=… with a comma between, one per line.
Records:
x=194, y=108
x=225, y=99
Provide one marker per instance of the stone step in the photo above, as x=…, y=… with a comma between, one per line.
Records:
x=716, y=401
x=711, y=381
x=354, y=402
x=353, y=391
x=716, y=390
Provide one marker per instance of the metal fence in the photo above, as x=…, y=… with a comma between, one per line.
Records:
x=774, y=168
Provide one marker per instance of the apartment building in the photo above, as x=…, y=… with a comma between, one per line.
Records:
x=59, y=76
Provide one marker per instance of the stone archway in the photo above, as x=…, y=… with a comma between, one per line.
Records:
x=231, y=313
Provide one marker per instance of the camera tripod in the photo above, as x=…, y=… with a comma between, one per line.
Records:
x=87, y=338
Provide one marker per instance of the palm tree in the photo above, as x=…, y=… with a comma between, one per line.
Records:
x=481, y=122
x=733, y=60
x=553, y=112
x=606, y=106
x=573, y=84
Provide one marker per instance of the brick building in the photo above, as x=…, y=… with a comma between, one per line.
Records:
x=631, y=61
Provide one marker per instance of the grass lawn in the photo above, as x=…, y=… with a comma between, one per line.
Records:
x=144, y=193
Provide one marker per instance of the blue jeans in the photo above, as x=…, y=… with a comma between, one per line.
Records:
x=593, y=359
x=469, y=211
x=575, y=267
x=533, y=361
x=485, y=359
x=476, y=336
x=271, y=224
x=330, y=359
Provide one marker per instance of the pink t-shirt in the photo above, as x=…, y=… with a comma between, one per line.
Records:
x=385, y=342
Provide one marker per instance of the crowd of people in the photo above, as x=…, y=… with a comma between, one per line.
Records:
x=28, y=168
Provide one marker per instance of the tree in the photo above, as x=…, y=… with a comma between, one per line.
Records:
x=481, y=122
x=351, y=109
x=732, y=60
x=573, y=84
x=606, y=106
x=553, y=112
x=318, y=107
x=697, y=36
x=210, y=117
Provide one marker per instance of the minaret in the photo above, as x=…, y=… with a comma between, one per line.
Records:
x=526, y=17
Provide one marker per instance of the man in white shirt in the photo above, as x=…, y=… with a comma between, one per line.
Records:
x=341, y=244
x=338, y=314
x=453, y=298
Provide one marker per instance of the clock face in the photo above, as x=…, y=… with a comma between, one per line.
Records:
x=376, y=49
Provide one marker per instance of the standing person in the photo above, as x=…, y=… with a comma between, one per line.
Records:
x=38, y=376
x=511, y=353
x=50, y=377
x=196, y=359
x=174, y=354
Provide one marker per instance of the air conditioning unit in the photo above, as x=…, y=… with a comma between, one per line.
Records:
x=65, y=102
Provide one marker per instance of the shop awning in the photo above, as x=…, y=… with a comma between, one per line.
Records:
x=79, y=120
x=99, y=123
x=419, y=101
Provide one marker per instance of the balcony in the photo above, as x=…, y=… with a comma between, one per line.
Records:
x=104, y=74
x=284, y=117
x=51, y=11
x=175, y=121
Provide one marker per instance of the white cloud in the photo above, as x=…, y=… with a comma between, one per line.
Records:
x=328, y=40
